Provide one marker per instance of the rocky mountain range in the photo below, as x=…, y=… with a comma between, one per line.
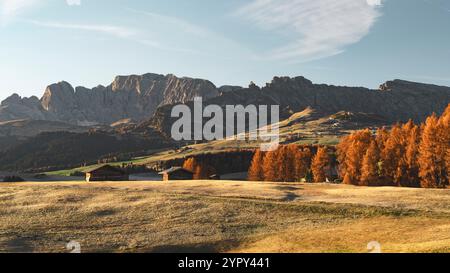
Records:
x=394, y=101
x=137, y=99
x=128, y=97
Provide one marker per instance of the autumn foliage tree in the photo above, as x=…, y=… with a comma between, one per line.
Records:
x=432, y=155
x=445, y=129
x=269, y=166
x=370, y=171
x=321, y=165
x=256, y=172
x=190, y=164
x=411, y=175
x=351, y=153
x=200, y=169
x=302, y=159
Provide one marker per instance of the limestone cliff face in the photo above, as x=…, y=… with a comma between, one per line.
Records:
x=395, y=101
x=16, y=108
x=128, y=97
x=137, y=98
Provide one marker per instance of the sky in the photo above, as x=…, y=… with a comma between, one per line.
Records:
x=229, y=42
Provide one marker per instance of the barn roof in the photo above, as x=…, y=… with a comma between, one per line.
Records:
x=175, y=169
x=96, y=168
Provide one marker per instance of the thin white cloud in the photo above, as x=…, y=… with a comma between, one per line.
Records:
x=175, y=22
x=73, y=2
x=317, y=29
x=117, y=31
x=112, y=30
x=374, y=2
x=197, y=33
x=9, y=9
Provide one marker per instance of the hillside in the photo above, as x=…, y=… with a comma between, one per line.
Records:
x=221, y=216
x=30, y=128
x=61, y=150
x=307, y=127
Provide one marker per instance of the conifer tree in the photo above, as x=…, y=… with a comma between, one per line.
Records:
x=281, y=164
x=370, y=172
x=431, y=159
x=256, y=172
x=302, y=163
x=342, y=151
x=321, y=165
x=411, y=158
x=291, y=151
x=393, y=150
x=445, y=128
x=269, y=168
x=190, y=164
x=358, y=143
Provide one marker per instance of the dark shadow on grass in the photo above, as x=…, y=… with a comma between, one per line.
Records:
x=288, y=188
x=17, y=245
x=214, y=247
x=290, y=196
x=103, y=213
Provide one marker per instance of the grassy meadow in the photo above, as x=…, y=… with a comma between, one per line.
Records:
x=221, y=216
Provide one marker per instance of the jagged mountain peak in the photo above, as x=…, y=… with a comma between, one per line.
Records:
x=13, y=99
x=135, y=96
x=404, y=85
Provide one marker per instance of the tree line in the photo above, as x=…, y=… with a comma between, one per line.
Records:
x=408, y=155
x=293, y=163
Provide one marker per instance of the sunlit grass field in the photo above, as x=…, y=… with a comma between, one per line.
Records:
x=221, y=216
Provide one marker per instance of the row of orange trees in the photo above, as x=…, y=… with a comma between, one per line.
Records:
x=408, y=155
x=292, y=163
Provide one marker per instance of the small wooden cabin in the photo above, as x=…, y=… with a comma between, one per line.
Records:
x=177, y=173
x=106, y=173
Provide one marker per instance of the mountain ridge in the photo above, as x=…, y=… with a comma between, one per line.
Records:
x=394, y=101
x=134, y=96
x=139, y=98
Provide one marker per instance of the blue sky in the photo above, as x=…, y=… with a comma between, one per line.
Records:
x=345, y=42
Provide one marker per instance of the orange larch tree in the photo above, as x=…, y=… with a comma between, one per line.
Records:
x=445, y=128
x=321, y=165
x=190, y=164
x=290, y=168
x=256, y=172
x=342, y=151
x=302, y=163
x=431, y=159
x=391, y=155
x=411, y=178
x=358, y=143
x=370, y=172
x=401, y=176
x=281, y=164
x=269, y=167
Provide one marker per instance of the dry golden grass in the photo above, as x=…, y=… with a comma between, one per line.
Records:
x=221, y=216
